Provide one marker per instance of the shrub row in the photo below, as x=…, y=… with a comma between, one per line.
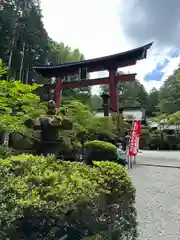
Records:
x=42, y=199
x=159, y=140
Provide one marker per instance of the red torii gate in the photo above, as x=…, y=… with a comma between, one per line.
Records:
x=83, y=68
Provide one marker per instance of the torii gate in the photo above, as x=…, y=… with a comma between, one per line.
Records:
x=83, y=68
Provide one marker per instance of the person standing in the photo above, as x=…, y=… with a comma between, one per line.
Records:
x=121, y=155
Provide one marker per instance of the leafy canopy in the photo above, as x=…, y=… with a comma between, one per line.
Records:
x=17, y=103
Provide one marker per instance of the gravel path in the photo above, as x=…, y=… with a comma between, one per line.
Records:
x=158, y=200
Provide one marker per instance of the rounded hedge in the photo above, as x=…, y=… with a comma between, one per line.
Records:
x=41, y=199
x=96, y=144
x=100, y=151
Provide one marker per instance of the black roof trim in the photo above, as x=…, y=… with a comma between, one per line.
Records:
x=133, y=54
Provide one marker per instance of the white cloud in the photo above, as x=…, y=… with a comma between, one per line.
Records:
x=94, y=27
x=174, y=63
x=149, y=64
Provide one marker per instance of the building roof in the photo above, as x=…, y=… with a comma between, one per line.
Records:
x=96, y=64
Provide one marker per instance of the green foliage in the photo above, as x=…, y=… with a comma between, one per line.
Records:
x=100, y=144
x=78, y=113
x=133, y=94
x=85, y=125
x=145, y=138
x=24, y=43
x=84, y=120
x=3, y=70
x=60, y=53
x=173, y=119
x=5, y=152
x=17, y=103
x=153, y=103
x=105, y=128
x=156, y=140
x=160, y=139
x=40, y=199
x=99, y=150
x=170, y=94
x=21, y=142
x=173, y=141
x=101, y=128
x=130, y=94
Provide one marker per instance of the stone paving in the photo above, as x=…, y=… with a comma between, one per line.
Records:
x=166, y=158
x=158, y=196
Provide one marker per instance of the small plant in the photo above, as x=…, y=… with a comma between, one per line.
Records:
x=3, y=70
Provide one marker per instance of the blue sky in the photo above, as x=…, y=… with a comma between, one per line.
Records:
x=157, y=73
x=95, y=28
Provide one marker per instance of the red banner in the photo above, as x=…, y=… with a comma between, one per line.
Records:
x=134, y=138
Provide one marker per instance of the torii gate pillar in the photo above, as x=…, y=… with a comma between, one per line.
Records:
x=58, y=91
x=113, y=90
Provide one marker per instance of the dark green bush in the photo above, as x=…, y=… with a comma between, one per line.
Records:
x=5, y=152
x=100, y=151
x=41, y=199
x=144, y=139
x=154, y=142
x=159, y=139
x=20, y=142
x=172, y=140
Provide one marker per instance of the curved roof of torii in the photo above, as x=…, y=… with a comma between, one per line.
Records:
x=96, y=64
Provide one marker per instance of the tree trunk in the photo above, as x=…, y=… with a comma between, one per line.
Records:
x=22, y=61
x=6, y=139
x=27, y=75
x=12, y=46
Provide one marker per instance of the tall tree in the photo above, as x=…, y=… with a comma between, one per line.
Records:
x=169, y=94
x=130, y=94
x=24, y=43
x=61, y=54
x=153, y=103
x=24, y=38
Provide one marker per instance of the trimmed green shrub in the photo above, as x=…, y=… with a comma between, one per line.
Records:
x=144, y=139
x=41, y=199
x=158, y=140
x=100, y=151
x=172, y=140
x=100, y=144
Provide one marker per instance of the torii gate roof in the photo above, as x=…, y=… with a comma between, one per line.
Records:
x=114, y=61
